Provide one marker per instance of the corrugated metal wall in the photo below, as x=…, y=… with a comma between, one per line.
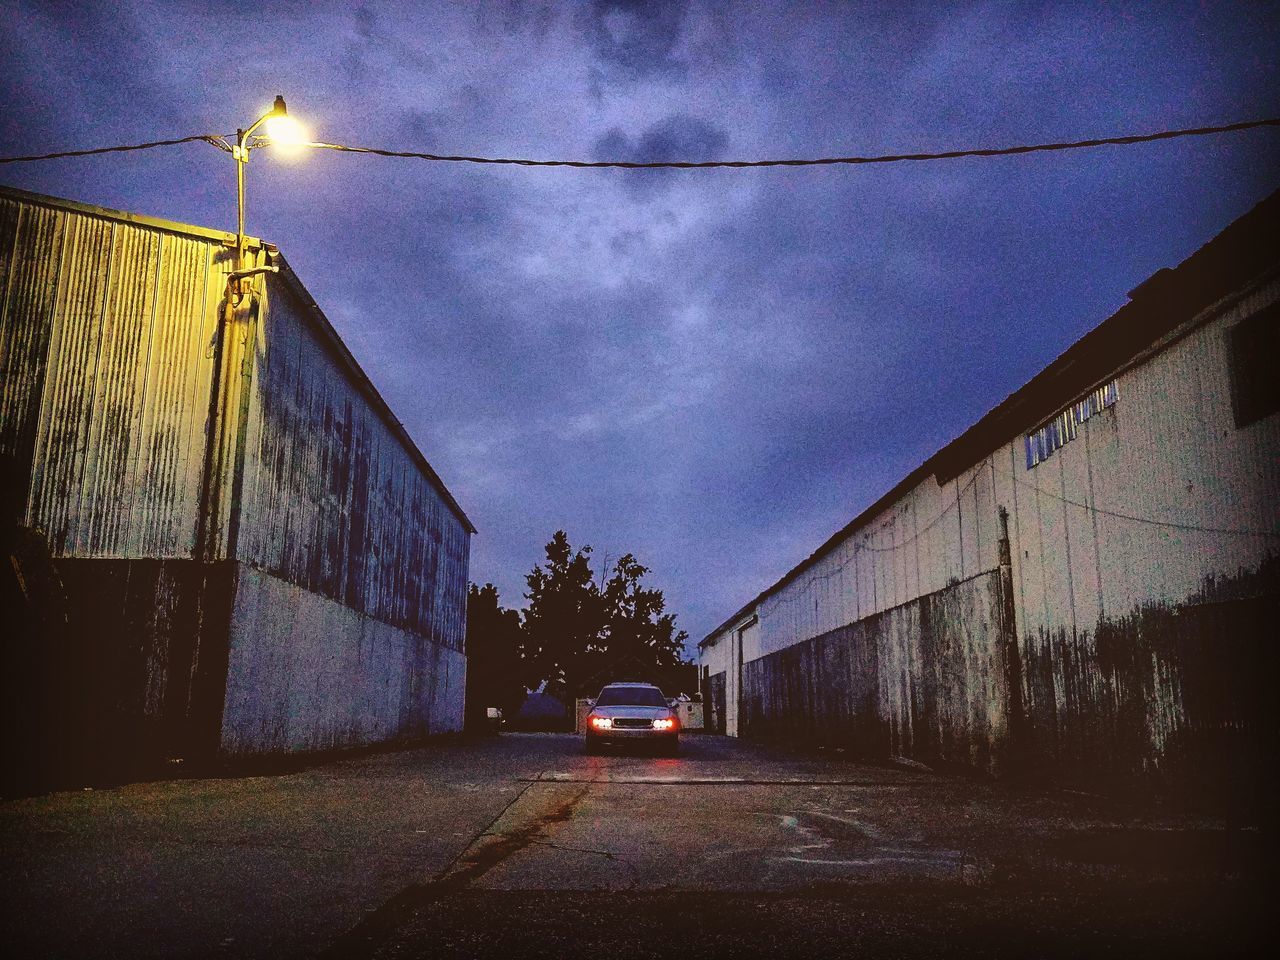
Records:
x=106, y=382
x=1159, y=509
x=1135, y=545
x=106, y=355
x=933, y=536
x=332, y=501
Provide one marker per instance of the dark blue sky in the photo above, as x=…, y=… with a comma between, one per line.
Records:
x=714, y=370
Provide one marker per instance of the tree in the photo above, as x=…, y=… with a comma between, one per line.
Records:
x=562, y=623
x=637, y=625
x=579, y=634
x=574, y=634
x=495, y=674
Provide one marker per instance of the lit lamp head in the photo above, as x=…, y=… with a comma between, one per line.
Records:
x=283, y=131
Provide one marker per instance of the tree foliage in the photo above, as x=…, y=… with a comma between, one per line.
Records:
x=495, y=665
x=636, y=625
x=576, y=633
x=562, y=619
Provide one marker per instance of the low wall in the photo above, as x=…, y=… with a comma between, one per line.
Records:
x=308, y=673
x=690, y=715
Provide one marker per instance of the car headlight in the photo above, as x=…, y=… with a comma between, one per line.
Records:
x=665, y=723
x=601, y=723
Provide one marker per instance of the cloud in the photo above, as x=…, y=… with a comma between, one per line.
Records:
x=677, y=137
x=714, y=370
x=366, y=22
x=636, y=40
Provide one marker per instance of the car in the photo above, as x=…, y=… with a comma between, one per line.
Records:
x=633, y=714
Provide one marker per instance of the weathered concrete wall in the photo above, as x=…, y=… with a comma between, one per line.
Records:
x=337, y=678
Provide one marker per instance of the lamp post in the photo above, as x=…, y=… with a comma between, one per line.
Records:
x=239, y=309
x=281, y=129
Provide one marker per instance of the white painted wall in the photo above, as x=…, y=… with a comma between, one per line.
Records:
x=1092, y=528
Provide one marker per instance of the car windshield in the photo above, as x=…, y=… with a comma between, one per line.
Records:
x=631, y=697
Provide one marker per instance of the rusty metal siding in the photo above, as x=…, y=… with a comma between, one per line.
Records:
x=332, y=500
x=352, y=629
x=1143, y=581
x=922, y=679
x=105, y=395
x=31, y=248
x=1147, y=568
x=1128, y=499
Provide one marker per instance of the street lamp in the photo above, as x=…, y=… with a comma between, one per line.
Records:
x=240, y=308
x=282, y=130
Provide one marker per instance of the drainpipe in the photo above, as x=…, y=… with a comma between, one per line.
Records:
x=238, y=303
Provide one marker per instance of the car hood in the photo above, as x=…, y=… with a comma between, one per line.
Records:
x=632, y=713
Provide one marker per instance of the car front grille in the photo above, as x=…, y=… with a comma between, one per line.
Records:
x=632, y=723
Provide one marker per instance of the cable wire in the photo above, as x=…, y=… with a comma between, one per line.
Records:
x=865, y=547
x=817, y=161
x=206, y=137
x=1150, y=521
x=707, y=164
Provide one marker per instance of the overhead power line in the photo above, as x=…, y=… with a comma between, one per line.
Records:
x=1149, y=521
x=815, y=161
x=707, y=164
x=208, y=138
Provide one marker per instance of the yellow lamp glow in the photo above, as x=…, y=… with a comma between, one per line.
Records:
x=285, y=133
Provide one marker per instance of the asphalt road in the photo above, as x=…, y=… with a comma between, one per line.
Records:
x=522, y=846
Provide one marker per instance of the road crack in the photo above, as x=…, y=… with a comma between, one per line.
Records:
x=606, y=854
x=487, y=849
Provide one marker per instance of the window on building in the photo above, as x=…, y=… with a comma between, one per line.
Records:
x=1062, y=429
x=1253, y=345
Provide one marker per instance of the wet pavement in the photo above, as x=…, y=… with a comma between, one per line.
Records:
x=523, y=846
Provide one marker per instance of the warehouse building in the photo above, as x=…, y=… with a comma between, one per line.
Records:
x=221, y=540
x=1085, y=582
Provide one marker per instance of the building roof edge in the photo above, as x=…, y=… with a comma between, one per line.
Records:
x=1236, y=256
x=291, y=279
